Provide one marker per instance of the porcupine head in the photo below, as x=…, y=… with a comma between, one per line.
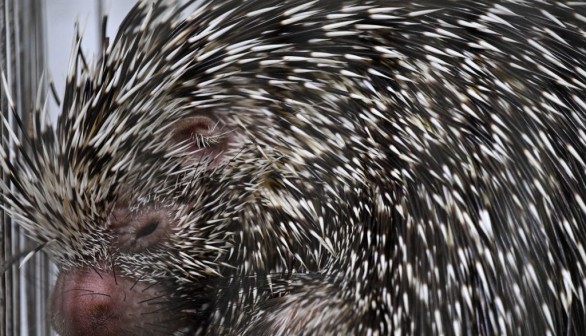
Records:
x=162, y=205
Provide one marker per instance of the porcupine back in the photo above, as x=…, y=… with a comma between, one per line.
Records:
x=395, y=166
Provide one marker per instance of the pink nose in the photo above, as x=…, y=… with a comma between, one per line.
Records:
x=90, y=302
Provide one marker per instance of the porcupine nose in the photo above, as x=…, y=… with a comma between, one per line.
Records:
x=87, y=301
x=102, y=302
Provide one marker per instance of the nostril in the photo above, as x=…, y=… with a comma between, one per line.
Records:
x=150, y=227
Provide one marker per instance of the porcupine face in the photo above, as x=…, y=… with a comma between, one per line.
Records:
x=408, y=161
x=117, y=191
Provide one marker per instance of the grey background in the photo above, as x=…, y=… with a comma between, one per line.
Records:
x=61, y=18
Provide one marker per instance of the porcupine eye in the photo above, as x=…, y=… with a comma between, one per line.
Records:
x=136, y=231
x=147, y=229
x=204, y=138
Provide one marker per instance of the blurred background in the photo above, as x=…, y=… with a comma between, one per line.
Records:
x=36, y=38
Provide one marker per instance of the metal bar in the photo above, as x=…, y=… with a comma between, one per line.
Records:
x=4, y=235
x=23, y=292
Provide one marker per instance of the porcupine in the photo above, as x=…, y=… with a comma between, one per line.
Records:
x=322, y=167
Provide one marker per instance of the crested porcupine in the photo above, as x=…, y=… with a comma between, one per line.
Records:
x=317, y=168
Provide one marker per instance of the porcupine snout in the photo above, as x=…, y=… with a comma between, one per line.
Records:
x=99, y=301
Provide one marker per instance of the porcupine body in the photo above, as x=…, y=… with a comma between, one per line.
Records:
x=323, y=167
